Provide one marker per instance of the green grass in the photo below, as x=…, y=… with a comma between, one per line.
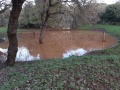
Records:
x=75, y=73
x=3, y=32
x=3, y=29
x=99, y=71
x=112, y=29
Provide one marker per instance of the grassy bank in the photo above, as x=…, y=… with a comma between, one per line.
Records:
x=97, y=71
x=113, y=31
x=3, y=32
x=3, y=29
x=75, y=73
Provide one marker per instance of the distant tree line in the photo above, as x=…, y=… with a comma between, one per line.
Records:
x=111, y=14
x=65, y=13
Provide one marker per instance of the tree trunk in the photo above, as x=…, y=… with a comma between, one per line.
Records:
x=104, y=37
x=12, y=31
x=42, y=29
x=41, y=36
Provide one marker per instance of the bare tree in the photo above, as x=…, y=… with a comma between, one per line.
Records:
x=12, y=31
x=45, y=13
x=82, y=12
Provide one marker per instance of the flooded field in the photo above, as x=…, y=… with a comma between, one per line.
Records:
x=62, y=44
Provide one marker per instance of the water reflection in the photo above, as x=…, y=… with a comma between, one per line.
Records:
x=22, y=55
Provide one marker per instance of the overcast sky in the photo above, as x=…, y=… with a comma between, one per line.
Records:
x=108, y=1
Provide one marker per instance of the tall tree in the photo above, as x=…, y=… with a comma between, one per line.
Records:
x=84, y=12
x=12, y=31
x=47, y=9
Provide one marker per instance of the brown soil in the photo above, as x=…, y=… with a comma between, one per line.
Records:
x=56, y=43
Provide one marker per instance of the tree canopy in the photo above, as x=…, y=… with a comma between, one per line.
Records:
x=112, y=14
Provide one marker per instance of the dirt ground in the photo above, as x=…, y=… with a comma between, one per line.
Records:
x=55, y=43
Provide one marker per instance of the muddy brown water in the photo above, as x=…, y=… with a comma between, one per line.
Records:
x=55, y=43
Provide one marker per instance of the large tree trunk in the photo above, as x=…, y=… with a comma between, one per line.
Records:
x=12, y=31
